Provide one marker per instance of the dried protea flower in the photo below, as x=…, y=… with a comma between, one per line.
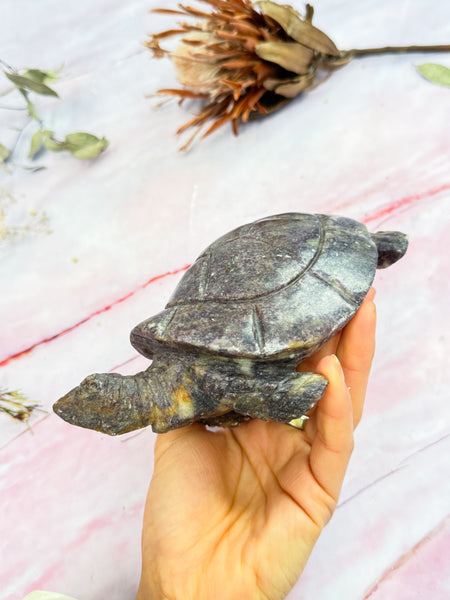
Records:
x=244, y=59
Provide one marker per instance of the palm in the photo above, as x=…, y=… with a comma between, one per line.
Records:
x=239, y=511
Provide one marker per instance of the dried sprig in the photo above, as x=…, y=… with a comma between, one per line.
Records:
x=16, y=405
x=246, y=60
x=81, y=145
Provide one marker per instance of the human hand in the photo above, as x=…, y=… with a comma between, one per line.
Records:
x=234, y=514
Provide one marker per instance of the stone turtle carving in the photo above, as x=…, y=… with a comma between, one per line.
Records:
x=256, y=302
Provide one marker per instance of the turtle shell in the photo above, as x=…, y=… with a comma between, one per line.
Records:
x=273, y=289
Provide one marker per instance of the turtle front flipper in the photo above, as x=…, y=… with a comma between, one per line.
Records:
x=270, y=392
x=283, y=400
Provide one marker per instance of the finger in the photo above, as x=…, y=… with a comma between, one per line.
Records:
x=355, y=352
x=330, y=347
x=371, y=294
x=333, y=442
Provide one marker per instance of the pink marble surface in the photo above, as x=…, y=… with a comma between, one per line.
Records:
x=372, y=143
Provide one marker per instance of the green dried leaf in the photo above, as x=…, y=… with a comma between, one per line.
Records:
x=32, y=111
x=36, y=143
x=4, y=153
x=85, y=145
x=298, y=29
x=22, y=82
x=35, y=75
x=289, y=55
x=51, y=144
x=435, y=73
x=41, y=76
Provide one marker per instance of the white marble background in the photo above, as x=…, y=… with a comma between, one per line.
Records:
x=373, y=143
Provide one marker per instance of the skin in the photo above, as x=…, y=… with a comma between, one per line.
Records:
x=238, y=511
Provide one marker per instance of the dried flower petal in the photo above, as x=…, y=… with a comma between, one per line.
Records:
x=291, y=56
x=298, y=29
x=292, y=87
x=198, y=71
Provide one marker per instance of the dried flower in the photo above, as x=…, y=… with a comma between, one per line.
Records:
x=243, y=59
x=16, y=405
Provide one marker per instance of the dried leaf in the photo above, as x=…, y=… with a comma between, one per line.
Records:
x=4, y=153
x=51, y=144
x=41, y=76
x=84, y=145
x=298, y=29
x=37, y=142
x=435, y=73
x=27, y=83
x=31, y=109
x=291, y=56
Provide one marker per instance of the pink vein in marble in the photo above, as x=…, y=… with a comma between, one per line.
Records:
x=380, y=212
x=53, y=479
x=424, y=567
x=399, y=204
x=94, y=314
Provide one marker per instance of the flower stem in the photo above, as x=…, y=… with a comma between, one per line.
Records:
x=357, y=52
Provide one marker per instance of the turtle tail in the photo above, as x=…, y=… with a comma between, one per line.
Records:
x=391, y=246
x=108, y=402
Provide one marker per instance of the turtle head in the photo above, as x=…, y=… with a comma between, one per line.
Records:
x=103, y=402
x=391, y=246
x=116, y=404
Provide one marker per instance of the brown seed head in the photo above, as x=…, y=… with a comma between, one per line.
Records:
x=244, y=60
